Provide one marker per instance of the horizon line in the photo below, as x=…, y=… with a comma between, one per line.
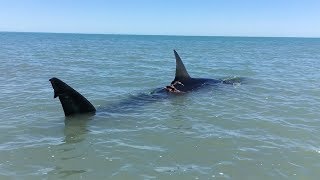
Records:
x=177, y=35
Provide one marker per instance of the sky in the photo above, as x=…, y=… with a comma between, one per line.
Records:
x=284, y=18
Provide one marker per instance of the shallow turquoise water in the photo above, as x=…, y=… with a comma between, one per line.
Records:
x=266, y=128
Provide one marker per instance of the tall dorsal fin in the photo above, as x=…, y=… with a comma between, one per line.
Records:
x=181, y=71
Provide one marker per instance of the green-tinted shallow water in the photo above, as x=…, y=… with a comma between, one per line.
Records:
x=267, y=128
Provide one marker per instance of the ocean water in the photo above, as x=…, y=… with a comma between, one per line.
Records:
x=265, y=128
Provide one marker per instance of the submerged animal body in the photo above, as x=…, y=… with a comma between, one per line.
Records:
x=74, y=103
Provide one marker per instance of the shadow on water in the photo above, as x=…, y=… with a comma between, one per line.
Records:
x=65, y=174
x=75, y=129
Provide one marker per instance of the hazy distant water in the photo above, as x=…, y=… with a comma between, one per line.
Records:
x=268, y=128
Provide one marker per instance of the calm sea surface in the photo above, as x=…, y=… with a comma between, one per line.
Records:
x=266, y=128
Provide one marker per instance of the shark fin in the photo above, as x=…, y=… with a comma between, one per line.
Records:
x=72, y=102
x=181, y=71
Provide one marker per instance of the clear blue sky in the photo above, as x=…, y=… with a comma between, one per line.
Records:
x=169, y=17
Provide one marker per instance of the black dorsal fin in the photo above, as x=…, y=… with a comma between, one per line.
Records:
x=181, y=71
x=72, y=102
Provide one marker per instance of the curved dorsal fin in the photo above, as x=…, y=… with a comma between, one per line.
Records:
x=181, y=71
x=72, y=101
